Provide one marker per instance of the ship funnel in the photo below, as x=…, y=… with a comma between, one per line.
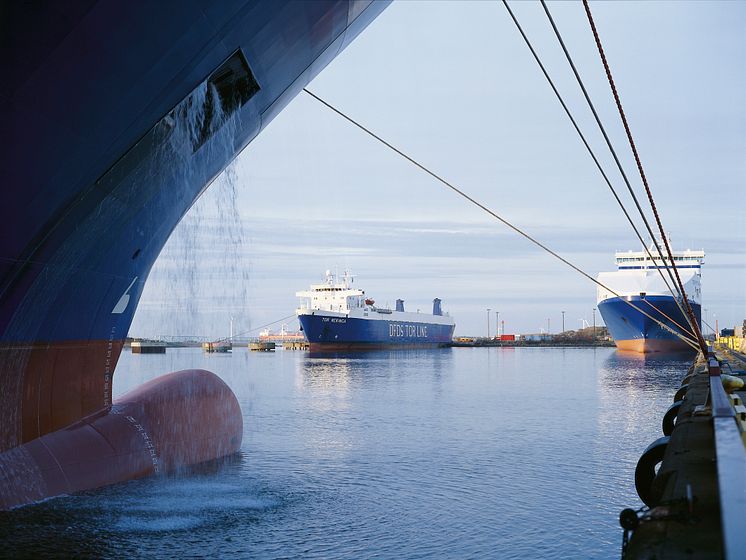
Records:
x=400, y=305
x=436, y=307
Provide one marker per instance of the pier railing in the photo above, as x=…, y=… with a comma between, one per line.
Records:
x=731, y=459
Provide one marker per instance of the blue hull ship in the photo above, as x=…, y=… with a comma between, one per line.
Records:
x=336, y=317
x=117, y=116
x=637, y=332
x=638, y=282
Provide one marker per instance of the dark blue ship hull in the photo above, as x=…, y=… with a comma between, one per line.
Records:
x=631, y=330
x=346, y=333
x=117, y=115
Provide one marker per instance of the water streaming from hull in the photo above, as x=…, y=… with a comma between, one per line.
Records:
x=97, y=189
x=201, y=278
x=176, y=420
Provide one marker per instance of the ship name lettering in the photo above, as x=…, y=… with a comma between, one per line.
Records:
x=409, y=331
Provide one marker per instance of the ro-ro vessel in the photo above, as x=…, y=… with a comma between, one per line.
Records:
x=637, y=281
x=335, y=316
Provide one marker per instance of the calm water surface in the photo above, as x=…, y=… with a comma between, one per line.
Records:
x=454, y=453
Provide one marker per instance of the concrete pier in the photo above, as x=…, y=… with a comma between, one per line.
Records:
x=697, y=499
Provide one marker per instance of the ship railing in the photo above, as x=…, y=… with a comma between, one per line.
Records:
x=730, y=456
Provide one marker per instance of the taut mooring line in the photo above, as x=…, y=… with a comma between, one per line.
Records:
x=621, y=171
x=690, y=313
x=493, y=214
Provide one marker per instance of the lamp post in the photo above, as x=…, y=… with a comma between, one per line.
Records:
x=594, y=324
x=563, y=321
x=717, y=328
x=488, y=322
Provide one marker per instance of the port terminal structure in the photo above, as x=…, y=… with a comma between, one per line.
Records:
x=695, y=503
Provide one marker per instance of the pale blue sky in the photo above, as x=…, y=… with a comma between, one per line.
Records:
x=453, y=85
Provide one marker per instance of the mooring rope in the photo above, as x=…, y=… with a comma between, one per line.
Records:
x=598, y=165
x=690, y=312
x=254, y=329
x=493, y=214
x=619, y=167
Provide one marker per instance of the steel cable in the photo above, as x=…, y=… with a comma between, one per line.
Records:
x=621, y=171
x=692, y=319
x=598, y=164
x=461, y=193
x=254, y=329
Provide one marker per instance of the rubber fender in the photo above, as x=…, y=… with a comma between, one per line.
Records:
x=645, y=471
x=679, y=396
x=687, y=379
x=628, y=519
x=669, y=418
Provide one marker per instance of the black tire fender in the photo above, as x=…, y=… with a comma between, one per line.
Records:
x=669, y=418
x=679, y=396
x=645, y=471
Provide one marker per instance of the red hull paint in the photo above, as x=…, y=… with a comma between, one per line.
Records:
x=645, y=346
x=48, y=386
x=173, y=421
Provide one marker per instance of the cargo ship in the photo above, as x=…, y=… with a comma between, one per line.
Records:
x=121, y=114
x=637, y=281
x=281, y=337
x=335, y=316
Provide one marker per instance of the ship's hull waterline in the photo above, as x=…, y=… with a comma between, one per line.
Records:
x=326, y=332
x=635, y=332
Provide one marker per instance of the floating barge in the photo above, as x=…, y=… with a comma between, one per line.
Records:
x=696, y=501
x=261, y=346
x=148, y=347
x=221, y=346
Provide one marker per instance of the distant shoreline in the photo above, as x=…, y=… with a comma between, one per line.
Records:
x=534, y=344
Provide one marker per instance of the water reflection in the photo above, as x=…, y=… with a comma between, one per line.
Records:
x=340, y=370
x=645, y=371
x=456, y=453
x=634, y=391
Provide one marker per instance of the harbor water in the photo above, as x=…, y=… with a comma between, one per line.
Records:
x=451, y=453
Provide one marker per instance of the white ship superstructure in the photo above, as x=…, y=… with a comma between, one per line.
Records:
x=637, y=274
